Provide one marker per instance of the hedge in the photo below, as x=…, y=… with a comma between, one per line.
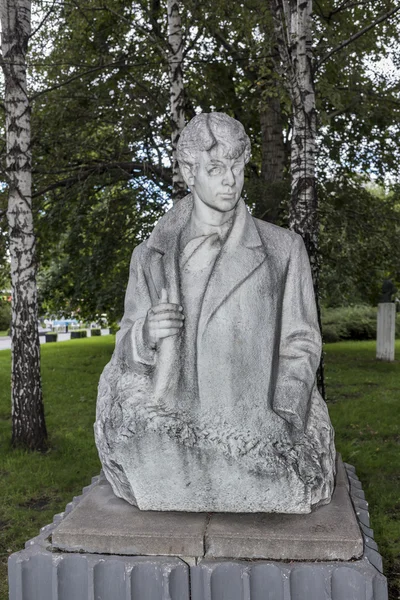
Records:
x=79, y=333
x=51, y=337
x=351, y=323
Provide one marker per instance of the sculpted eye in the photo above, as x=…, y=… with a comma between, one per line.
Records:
x=214, y=170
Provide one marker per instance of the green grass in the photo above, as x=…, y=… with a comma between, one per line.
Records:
x=364, y=404
x=3, y=333
x=364, y=400
x=36, y=486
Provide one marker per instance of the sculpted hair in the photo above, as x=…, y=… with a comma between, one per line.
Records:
x=208, y=130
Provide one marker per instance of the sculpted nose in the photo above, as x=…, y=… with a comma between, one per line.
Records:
x=229, y=178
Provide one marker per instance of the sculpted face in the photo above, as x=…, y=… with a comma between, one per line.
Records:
x=216, y=180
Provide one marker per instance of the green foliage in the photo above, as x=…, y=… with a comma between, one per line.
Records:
x=5, y=315
x=101, y=136
x=360, y=241
x=351, y=323
x=357, y=96
x=95, y=332
x=87, y=269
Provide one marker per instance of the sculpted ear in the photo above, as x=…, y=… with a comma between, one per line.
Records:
x=188, y=173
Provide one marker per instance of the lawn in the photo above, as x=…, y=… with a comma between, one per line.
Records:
x=364, y=404
x=364, y=399
x=3, y=333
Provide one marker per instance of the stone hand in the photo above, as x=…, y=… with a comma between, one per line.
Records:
x=162, y=320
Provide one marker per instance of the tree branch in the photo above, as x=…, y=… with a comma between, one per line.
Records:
x=158, y=41
x=357, y=35
x=75, y=77
x=342, y=7
x=129, y=169
x=189, y=47
x=43, y=21
x=236, y=55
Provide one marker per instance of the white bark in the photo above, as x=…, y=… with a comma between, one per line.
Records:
x=28, y=423
x=293, y=28
x=175, y=59
x=293, y=21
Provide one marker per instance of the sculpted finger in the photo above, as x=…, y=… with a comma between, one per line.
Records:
x=166, y=307
x=168, y=332
x=167, y=323
x=155, y=320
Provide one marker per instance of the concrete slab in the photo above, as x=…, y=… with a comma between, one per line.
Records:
x=104, y=524
x=331, y=532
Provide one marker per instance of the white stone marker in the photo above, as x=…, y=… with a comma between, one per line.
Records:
x=386, y=328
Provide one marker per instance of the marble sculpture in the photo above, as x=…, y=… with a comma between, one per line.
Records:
x=209, y=402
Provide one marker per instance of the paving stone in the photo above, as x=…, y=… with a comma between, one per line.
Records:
x=102, y=523
x=329, y=533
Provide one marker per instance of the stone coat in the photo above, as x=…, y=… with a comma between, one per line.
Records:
x=258, y=343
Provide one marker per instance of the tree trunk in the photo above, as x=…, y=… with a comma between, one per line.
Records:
x=273, y=160
x=177, y=93
x=28, y=424
x=292, y=20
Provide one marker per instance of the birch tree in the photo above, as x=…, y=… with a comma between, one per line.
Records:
x=175, y=58
x=292, y=20
x=293, y=32
x=28, y=424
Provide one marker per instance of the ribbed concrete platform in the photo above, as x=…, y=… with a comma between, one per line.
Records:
x=41, y=573
x=104, y=524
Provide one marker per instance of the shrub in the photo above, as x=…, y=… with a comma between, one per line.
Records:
x=95, y=332
x=78, y=333
x=51, y=337
x=351, y=323
x=331, y=333
x=113, y=329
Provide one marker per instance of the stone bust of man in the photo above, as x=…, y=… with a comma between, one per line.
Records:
x=209, y=402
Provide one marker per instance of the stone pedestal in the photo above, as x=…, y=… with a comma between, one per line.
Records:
x=96, y=550
x=386, y=330
x=104, y=524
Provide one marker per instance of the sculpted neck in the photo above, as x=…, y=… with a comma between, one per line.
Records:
x=207, y=215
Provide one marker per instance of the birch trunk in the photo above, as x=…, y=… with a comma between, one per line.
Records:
x=292, y=20
x=273, y=159
x=176, y=93
x=28, y=424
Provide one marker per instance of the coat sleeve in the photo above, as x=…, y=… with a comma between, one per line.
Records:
x=130, y=348
x=300, y=343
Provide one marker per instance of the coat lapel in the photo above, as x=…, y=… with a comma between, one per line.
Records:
x=241, y=254
x=164, y=265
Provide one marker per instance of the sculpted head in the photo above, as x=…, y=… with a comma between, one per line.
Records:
x=212, y=152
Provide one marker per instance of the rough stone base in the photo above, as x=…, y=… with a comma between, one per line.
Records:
x=40, y=573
